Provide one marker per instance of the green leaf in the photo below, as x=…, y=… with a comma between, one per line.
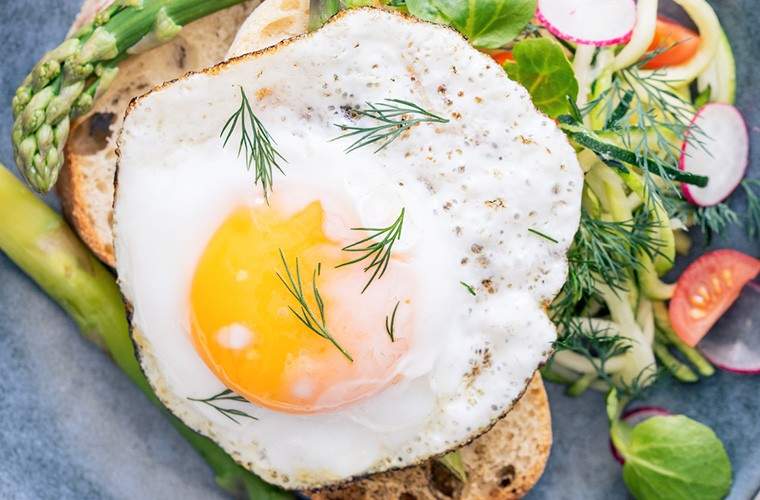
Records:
x=542, y=68
x=675, y=457
x=487, y=24
x=320, y=11
x=453, y=461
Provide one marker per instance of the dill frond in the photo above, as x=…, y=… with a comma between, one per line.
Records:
x=594, y=344
x=752, y=220
x=314, y=321
x=542, y=235
x=390, y=323
x=255, y=143
x=642, y=108
x=636, y=388
x=395, y=116
x=376, y=247
x=712, y=221
x=606, y=251
x=470, y=289
x=226, y=395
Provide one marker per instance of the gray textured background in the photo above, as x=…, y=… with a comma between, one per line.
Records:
x=72, y=427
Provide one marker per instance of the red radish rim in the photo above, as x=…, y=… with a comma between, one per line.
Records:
x=651, y=411
x=685, y=188
x=726, y=368
x=582, y=41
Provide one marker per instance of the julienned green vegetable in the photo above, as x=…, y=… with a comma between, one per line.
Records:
x=487, y=24
x=671, y=457
x=38, y=240
x=69, y=78
x=543, y=69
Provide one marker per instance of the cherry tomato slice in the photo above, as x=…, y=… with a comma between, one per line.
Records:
x=706, y=290
x=502, y=56
x=678, y=43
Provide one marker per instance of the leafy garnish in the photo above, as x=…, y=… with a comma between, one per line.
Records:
x=226, y=395
x=454, y=463
x=376, y=247
x=543, y=69
x=605, y=251
x=320, y=11
x=390, y=323
x=395, y=116
x=650, y=119
x=305, y=313
x=470, y=289
x=255, y=142
x=488, y=24
x=752, y=221
x=670, y=455
x=597, y=345
x=542, y=235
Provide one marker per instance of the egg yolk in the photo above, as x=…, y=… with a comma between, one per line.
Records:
x=243, y=322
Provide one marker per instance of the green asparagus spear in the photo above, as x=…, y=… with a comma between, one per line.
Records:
x=71, y=77
x=38, y=240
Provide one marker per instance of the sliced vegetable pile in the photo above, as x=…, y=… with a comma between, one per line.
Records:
x=647, y=103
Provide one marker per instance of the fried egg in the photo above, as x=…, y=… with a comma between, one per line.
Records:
x=255, y=318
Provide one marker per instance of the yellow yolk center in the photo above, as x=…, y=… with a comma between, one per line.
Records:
x=244, y=329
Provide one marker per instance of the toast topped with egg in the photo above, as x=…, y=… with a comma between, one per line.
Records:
x=503, y=463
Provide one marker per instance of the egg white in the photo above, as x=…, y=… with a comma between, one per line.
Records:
x=472, y=189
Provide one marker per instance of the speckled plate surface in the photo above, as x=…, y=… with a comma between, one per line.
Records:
x=72, y=427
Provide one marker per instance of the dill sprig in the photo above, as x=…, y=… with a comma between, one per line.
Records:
x=752, y=222
x=255, y=142
x=390, y=323
x=542, y=235
x=715, y=219
x=642, y=108
x=636, y=388
x=593, y=343
x=395, y=116
x=712, y=221
x=376, y=247
x=226, y=395
x=470, y=289
x=305, y=313
x=607, y=251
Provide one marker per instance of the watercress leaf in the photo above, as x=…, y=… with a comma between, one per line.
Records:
x=542, y=68
x=487, y=24
x=320, y=11
x=352, y=4
x=675, y=457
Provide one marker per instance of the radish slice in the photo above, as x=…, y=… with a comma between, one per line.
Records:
x=636, y=416
x=719, y=150
x=589, y=22
x=734, y=343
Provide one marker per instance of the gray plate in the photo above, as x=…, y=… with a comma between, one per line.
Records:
x=72, y=427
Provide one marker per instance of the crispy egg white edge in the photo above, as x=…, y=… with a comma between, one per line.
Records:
x=196, y=421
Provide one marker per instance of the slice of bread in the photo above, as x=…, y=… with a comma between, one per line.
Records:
x=504, y=463
x=86, y=181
